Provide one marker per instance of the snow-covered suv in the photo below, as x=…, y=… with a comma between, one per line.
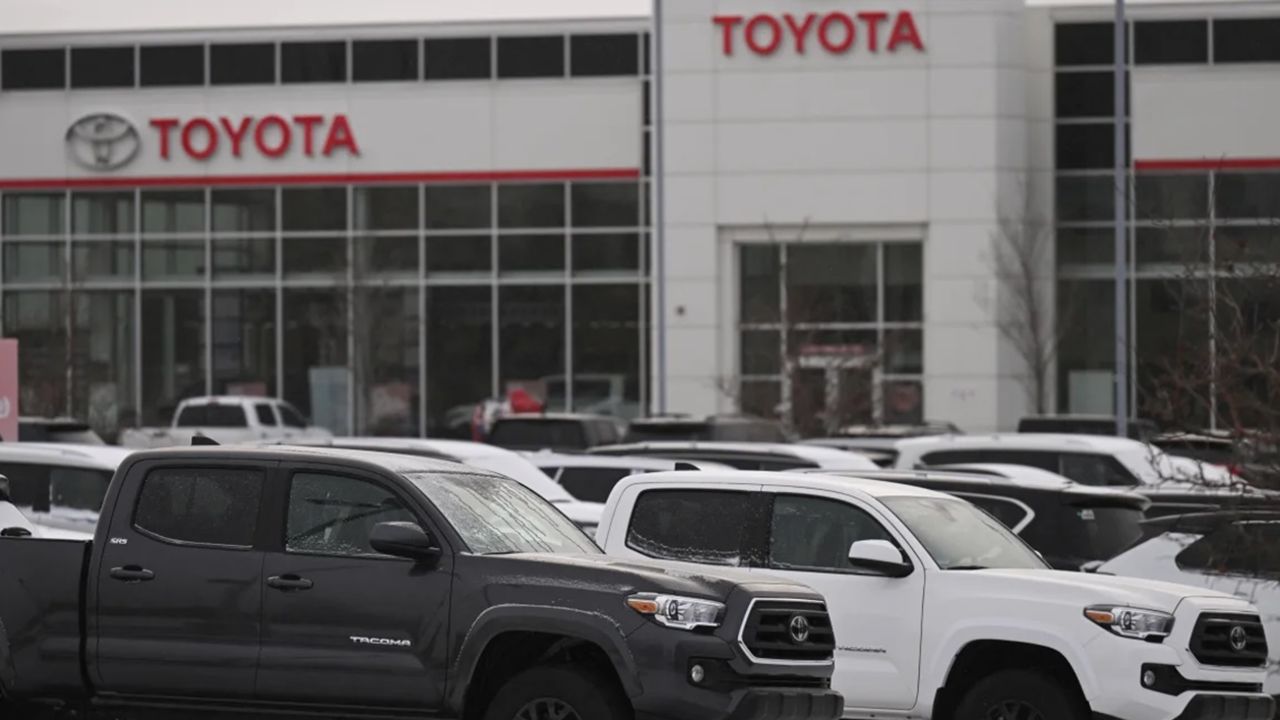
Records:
x=940, y=612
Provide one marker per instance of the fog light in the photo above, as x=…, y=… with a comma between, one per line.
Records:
x=1148, y=678
x=697, y=674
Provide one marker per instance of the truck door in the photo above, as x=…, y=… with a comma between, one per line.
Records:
x=877, y=620
x=178, y=596
x=343, y=624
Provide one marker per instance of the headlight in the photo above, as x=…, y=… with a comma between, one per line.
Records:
x=673, y=611
x=1130, y=622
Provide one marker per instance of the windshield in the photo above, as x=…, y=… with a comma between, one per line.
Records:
x=497, y=516
x=524, y=472
x=958, y=536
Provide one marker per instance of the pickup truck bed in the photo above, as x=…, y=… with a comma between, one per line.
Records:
x=41, y=590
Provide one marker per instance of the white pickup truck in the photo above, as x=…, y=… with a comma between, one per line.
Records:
x=227, y=419
x=940, y=613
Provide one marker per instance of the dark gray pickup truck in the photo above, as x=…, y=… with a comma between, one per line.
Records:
x=347, y=584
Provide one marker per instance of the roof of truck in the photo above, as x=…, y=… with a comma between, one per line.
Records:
x=98, y=457
x=808, y=481
x=385, y=461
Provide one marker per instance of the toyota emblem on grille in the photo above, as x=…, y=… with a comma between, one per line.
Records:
x=1239, y=638
x=103, y=141
x=799, y=629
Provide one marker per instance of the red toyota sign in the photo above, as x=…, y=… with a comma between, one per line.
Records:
x=271, y=136
x=837, y=33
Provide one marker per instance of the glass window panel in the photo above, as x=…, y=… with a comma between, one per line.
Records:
x=102, y=260
x=1085, y=146
x=459, y=357
x=242, y=64
x=1086, y=197
x=173, y=212
x=1086, y=358
x=386, y=341
x=1171, y=245
x=761, y=352
x=314, y=209
x=317, y=371
x=38, y=321
x=386, y=256
x=374, y=60
x=760, y=284
x=1084, y=246
x=1171, y=197
x=1084, y=43
x=459, y=59
x=335, y=516
x=606, y=204
x=831, y=283
x=315, y=256
x=531, y=56
x=102, y=213
x=904, y=352
x=530, y=253
x=531, y=335
x=1248, y=195
x=521, y=206
x=33, y=69
x=386, y=208
x=173, y=259
x=903, y=402
x=34, y=261
x=102, y=353
x=244, y=211
x=699, y=526
x=1247, y=244
x=173, y=351
x=1168, y=42
x=309, y=62
x=212, y=507
x=451, y=207
x=1246, y=40
x=33, y=214
x=606, y=349
x=762, y=398
x=1084, y=94
x=597, y=55
x=244, y=342
x=1169, y=333
x=904, y=282
x=459, y=254
x=244, y=257
x=166, y=65
x=815, y=534
x=101, y=67
x=612, y=252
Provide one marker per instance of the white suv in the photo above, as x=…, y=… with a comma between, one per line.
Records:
x=940, y=612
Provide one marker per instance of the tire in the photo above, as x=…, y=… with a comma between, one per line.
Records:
x=1020, y=695
x=547, y=692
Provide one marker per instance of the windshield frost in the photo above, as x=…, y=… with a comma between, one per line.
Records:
x=497, y=515
x=959, y=536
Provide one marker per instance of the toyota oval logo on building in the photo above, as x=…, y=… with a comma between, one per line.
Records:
x=103, y=141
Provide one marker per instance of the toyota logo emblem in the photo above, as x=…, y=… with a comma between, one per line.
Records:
x=103, y=141
x=799, y=629
x=1239, y=638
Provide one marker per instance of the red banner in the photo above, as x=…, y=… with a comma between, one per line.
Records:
x=9, y=390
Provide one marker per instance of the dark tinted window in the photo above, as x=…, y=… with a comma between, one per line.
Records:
x=537, y=434
x=642, y=432
x=1043, y=460
x=458, y=206
x=172, y=65
x=1084, y=94
x=1248, y=195
x=810, y=533
x=540, y=205
x=206, y=506
x=530, y=57
x=333, y=515
x=228, y=416
x=102, y=67
x=242, y=64
x=384, y=60
x=313, y=62
x=265, y=414
x=1166, y=42
x=1009, y=514
x=1245, y=548
x=459, y=59
x=290, y=416
x=591, y=484
x=1084, y=43
x=78, y=488
x=606, y=204
x=28, y=485
x=699, y=526
x=1090, y=469
x=604, y=54
x=1085, y=534
x=1243, y=40
x=1085, y=146
x=33, y=69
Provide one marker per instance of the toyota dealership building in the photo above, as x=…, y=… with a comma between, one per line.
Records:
x=785, y=207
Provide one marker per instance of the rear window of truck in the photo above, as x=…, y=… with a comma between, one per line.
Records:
x=222, y=416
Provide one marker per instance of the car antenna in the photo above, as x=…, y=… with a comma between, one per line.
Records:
x=203, y=441
x=687, y=466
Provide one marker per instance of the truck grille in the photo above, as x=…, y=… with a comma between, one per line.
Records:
x=1229, y=640
x=788, y=631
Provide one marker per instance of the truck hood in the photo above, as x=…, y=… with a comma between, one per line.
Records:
x=1082, y=588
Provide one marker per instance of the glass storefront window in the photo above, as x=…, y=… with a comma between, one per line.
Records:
x=315, y=256
x=531, y=336
x=531, y=206
x=761, y=352
x=1248, y=195
x=386, y=257
x=904, y=282
x=33, y=214
x=38, y=321
x=102, y=260
x=243, y=211
x=459, y=254
x=244, y=258
x=244, y=342
x=173, y=351
x=103, y=355
x=173, y=212
x=831, y=283
x=457, y=207
x=1171, y=197
x=1086, y=197
x=606, y=350
x=530, y=253
x=35, y=262
x=173, y=259
x=108, y=213
x=459, y=357
x=386, y=208
x=313, y=209
x=605, y=205
x=760, y=291
x=606, y=253
x=317, y=374
x=385, y=322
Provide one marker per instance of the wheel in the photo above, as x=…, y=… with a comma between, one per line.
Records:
x=1020, y=695
x=561, y=692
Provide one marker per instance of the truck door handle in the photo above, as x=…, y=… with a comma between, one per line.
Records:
x=132, y=574
x=289, y=583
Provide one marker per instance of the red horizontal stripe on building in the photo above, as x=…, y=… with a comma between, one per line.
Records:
x=1208, y=164
x=477, y=176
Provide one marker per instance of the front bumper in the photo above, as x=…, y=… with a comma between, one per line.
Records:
x=1229, y=707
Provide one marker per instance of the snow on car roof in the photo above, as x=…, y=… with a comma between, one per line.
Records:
x=101, y=457
x=808, y=481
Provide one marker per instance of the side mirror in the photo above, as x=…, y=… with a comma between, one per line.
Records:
x=404, y=539
x=879, y=556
